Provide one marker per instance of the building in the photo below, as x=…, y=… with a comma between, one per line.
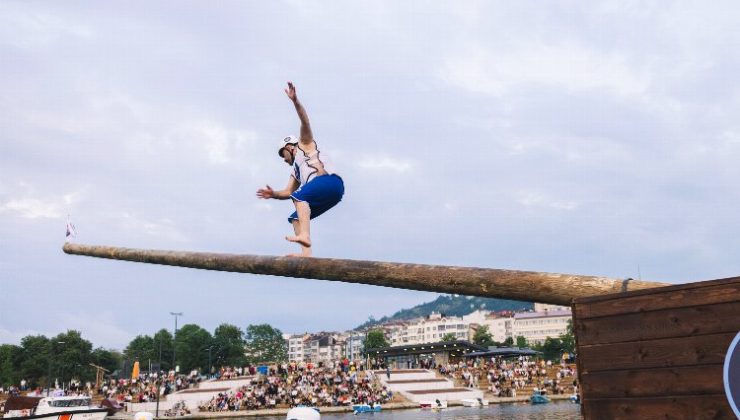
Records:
x=428, y=330
x=296, y=344
x=544, y=307
x=352, y=344
x=411, y=356
x=537, y=326
x=500, y=324
x=315, y=348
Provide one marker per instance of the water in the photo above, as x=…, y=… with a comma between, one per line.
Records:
x=517, y=411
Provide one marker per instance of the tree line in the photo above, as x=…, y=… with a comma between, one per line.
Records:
x=41, y=360
x=552, y=348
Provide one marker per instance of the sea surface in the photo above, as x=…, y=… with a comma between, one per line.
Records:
x=517, y=411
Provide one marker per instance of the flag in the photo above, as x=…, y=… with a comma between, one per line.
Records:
x=135, y=372
x=71, y=231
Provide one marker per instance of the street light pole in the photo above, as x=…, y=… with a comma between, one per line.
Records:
x=174, y=338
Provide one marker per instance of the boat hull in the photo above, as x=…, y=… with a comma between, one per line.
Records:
x=365, y=408
x=93, y=414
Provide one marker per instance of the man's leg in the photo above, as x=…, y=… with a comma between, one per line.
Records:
x=305, y=251
x=303, y=233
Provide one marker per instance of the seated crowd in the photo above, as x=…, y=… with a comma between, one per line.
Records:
x=289, y=385
x=144, y=387
x=505, y=377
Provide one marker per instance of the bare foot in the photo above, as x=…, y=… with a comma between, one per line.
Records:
x=301, y=239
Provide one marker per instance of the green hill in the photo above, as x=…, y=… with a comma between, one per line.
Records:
x=451, y=305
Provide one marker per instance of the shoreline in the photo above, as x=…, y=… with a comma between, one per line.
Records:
x=323, y=410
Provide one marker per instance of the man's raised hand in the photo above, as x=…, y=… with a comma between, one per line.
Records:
x=266, y=192
x=290, y=91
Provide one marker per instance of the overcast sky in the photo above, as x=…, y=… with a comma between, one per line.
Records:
x=597, y=138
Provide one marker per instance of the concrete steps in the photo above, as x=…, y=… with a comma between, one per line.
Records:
x=423, y=385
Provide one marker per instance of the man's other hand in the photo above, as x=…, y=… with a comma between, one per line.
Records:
x=266, y=192
x=290, y=91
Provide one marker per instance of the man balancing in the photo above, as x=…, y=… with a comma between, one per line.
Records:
x=313, y=186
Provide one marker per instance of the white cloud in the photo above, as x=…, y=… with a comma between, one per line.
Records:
x=568, y=65
x=25, y=27
x=15, y=336
x=451, y=206
x=607, y=115
x=32, y=208
x=221, y=145
x=27, y=203
x=163, y=228
x=263, y=205
x=386, y=164
x=102, y=328
x=535, y=199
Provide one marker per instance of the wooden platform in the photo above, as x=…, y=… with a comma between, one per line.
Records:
x=657, y=353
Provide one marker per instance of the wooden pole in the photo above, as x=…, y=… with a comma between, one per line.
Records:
x=530, y=286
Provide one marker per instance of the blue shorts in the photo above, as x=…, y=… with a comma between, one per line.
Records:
x=321, y=194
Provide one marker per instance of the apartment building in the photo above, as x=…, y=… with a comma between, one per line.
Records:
x=429, y=330
x=295, y=344
x=500, y=324
x=537, y=326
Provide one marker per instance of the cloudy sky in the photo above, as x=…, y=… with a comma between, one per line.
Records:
x=584, y=137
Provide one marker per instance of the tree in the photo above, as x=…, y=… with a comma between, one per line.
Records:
x=72, y=356
x=163, y=341
x=228, y=346
x=141, y=348
x=35, y=359
x=552, y=349
x=568, y=339
x=521, y=342
x=108, y=359
x=482, y=337
x=449, y=337
x=263, y=343
x=192, y=344
x=375, y=340
x=9, y=360
x=509, y=342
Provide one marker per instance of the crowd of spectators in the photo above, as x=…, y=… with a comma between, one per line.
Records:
x=506, y=377
x=73, y=388
x=290, y=385
x=139, y=389
x=144, y=387
x=336, y=384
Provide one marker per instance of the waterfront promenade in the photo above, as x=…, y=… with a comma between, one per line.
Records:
x=406, y=405
x=335, y=389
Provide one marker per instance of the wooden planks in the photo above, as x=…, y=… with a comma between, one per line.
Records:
x=657, y=353
x=713, y=407
x=664, y=352
x=666, y=323
x=693, y=294
x=689, y=380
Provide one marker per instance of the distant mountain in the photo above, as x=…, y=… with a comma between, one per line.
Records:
x=452, y=305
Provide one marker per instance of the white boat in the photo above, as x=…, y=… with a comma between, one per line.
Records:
x=303, y=413
x=474, y=402
x=53, y=408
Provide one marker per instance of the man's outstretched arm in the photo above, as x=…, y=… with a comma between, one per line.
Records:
x=283, y=194
x=306, y=134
